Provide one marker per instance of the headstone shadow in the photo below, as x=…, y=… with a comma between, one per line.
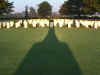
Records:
x=49, y=57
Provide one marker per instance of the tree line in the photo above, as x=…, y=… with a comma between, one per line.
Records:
x=78, y=7
x=6, y=7
x=70, y=7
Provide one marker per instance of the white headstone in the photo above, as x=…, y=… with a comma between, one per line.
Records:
x=8, y=25
x=18, y=24
x=61, y=23
x=96, y=25
x=34, y=23
x=55, y=22
x=70, y=22
x=11, y=23
x=4, y=24
x=30, y=21
x=47, y=22
x=0, y=25
x=43, y=22
x=25, y=24
x=77, y=22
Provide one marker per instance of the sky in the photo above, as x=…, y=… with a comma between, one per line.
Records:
x=19, y=5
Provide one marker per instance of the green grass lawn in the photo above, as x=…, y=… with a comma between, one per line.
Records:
x=44, y=51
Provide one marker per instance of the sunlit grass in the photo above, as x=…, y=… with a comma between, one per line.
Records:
x=16, y=43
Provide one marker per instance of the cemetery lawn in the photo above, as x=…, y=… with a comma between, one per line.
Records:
x=49, y=52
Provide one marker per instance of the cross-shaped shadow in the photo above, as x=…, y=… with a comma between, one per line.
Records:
x=49, y=57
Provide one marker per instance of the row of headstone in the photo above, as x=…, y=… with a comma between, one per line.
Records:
x=13, y=24
x=77, y=23
x=48, y=23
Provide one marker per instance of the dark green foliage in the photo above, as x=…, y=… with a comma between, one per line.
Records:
x=91, y=6
x=26, y=12
x=71, y=7
x=9, y=7
x=75, y=7
x=64, y=9
x=5, y=7
x=32, y=12
x=45, y=9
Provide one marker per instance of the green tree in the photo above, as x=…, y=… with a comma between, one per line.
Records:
x=32, y=12
x=5, y=7
x=10, y=7
x=45, y=9
x=71, y=7
x=64, y=9
x=91, y=6
x=26, y=12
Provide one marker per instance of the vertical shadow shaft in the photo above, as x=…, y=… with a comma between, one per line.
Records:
x=49, y=57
